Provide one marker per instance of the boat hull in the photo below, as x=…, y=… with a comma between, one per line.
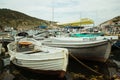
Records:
x=57, y=72
x=90, y=50
x=96, y=53
x=49, y=60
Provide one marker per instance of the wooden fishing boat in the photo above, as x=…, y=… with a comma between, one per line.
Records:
x=5, y=38
x=89, y=48
x=28, y=53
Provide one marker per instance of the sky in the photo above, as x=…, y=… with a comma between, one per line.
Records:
x=66, y=10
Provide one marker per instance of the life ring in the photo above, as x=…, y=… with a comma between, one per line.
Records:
x=25, y=43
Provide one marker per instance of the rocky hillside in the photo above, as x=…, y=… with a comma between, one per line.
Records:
x=116, y=19
x=17, y=19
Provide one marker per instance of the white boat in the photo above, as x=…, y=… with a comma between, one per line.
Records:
x=43, y=59
x=5, y=38
x=89, y=48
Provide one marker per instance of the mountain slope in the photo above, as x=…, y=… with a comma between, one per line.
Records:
x=17, y=19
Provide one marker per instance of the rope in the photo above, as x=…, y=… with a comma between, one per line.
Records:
x=85, y=65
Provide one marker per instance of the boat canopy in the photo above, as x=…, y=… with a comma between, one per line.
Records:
x=83, y=21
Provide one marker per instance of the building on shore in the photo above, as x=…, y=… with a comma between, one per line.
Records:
x=111, y=26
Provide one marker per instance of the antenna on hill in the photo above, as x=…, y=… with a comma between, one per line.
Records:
x=53, y=12
x=51, y=25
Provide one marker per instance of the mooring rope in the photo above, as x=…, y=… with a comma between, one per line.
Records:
x=85, y=65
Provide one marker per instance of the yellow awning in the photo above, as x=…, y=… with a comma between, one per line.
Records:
x=83, y=21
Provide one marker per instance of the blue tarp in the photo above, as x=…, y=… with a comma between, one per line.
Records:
x=42, y=27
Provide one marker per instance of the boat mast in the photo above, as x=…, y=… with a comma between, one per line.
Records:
x=80, y=18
